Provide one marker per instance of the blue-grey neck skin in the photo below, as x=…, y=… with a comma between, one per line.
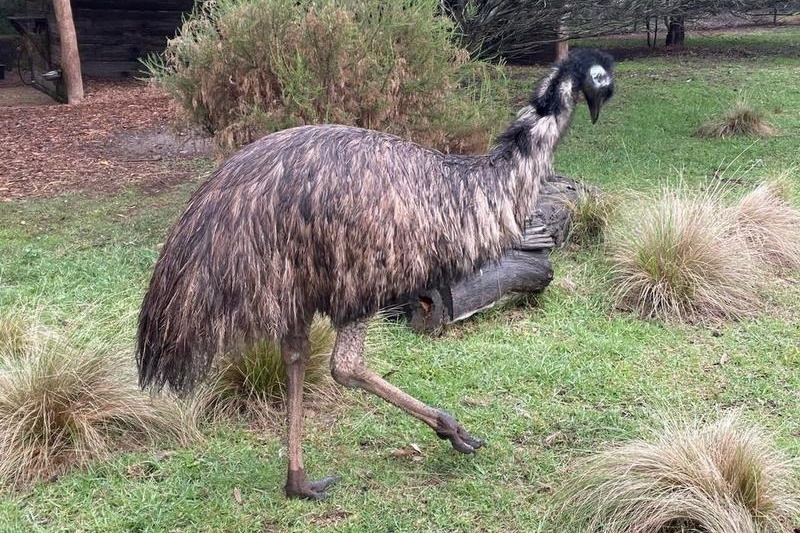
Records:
x=583, y=71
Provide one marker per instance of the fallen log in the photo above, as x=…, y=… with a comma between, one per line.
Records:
x=524, y=269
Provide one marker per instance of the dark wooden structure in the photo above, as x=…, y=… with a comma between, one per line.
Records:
x=112, y=34
x=525, y=269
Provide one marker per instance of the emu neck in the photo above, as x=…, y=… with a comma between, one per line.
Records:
x=555, y=96
x=527, y=146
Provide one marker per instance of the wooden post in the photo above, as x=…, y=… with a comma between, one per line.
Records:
x=70, y=60
x=562, y=46
x=562, y=32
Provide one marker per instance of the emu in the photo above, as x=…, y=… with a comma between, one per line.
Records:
x=341, y=220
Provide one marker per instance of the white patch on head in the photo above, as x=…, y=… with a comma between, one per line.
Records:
x=600, y=77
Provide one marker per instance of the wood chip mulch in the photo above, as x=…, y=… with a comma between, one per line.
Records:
x=119, y=136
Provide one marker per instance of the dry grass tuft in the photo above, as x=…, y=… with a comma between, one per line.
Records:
x=741, y=119
x=62, y=407
x=770, y=225
x=719, y=478
x=677, y=257
x=252, y=383
x=590, y=216
x=14, y=335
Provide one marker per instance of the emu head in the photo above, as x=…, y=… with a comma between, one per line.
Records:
x=592, y=71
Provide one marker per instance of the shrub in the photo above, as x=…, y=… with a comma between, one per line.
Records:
x=724, y=477
x=14, y=335
x=677, y=256
x=741, y=119
x=62, y=407
x=770, y=225
x=590, y=216
x=242, y=68
x=251, y=382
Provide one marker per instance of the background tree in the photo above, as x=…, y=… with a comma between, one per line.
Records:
x=70, y=59
x=516, y=29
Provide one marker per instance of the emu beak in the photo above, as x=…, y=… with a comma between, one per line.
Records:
x=595, y=103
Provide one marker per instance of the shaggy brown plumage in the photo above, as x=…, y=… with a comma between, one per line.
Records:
x=341, y=220
x=321, y=218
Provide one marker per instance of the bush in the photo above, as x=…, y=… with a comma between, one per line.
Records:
x=741, y=119
x=252, y=382
x=243, y=68
x=61, y=407
x=720, y=478
x=770, y=225
x=677, y=256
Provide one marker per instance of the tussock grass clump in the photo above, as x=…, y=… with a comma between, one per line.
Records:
x=741, y=119
x=253, y=381
x=677, y=256
x=62, y=407
x=243, y=68
x=14, y=335
x=770, y=225
x=591, y=214
x=718, y=478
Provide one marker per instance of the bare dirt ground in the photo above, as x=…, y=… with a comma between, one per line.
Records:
x=120, y=136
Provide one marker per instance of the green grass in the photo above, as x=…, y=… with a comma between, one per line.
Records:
x=644, y=135
x=83, y=259
x=544, y=382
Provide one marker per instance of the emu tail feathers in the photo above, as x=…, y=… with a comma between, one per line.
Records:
x=209, y=293
x=164, y=355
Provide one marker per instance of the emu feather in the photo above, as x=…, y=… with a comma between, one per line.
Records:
x=342, y=220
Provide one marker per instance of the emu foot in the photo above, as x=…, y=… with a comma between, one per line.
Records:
x=448, y=428
x=298, y=486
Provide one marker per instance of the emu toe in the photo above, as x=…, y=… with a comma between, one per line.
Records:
x=448, y=428
x=298, y=486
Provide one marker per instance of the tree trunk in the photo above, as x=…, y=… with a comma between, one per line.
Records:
x=652, y=44
x=524, y=269
x=562, y=46
x=675, y=32
x=70, y=59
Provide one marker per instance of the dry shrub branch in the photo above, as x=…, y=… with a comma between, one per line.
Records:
x=241, y=69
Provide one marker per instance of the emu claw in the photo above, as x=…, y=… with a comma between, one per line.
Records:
x=297, y=486
x=320, y=485
x=448, y=428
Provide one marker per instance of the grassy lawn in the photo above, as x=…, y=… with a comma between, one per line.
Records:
x=545, y=381
x=645, y=137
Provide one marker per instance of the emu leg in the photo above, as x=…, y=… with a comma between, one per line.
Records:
x=295, y=353
x=349, y=369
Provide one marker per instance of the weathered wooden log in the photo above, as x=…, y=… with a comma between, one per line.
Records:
x=518, y=271
x=525, y=269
